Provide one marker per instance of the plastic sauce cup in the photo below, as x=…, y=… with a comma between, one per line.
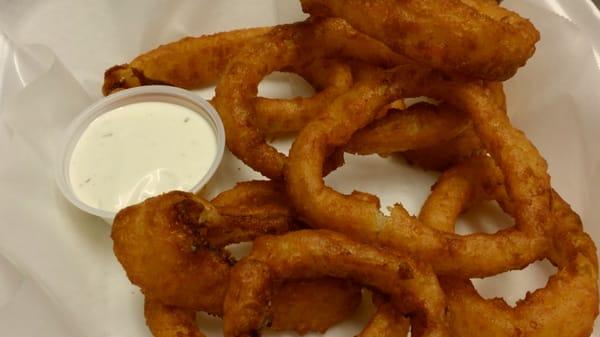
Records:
x=155, y=93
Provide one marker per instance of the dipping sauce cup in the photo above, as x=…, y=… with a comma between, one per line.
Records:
x=139, y=143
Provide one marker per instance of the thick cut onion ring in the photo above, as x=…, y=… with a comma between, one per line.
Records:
x=171, y=246
x=421, y=125
x=283, y=47
x=277, y=116
x=542, y=313
x=411, y=285
x=191, y=62
x=525, y=172
x=451, y=35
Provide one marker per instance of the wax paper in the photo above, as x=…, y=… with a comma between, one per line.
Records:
x=58, y=275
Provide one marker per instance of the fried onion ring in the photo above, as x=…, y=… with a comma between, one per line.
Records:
x=412, y=286
x=527, y=181
x=284, y=46
x=171, y=247
x=330, y=78
x=446, y=154
x=420, y=126
x=189, y=63
x=451, y=35
x=573, y=288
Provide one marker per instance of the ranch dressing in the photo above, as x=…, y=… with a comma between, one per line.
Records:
x=140, y=150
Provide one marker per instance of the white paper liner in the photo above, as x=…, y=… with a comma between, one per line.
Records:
x=56, y=55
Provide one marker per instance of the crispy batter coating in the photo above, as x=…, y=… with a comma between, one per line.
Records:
x=169, y=321
x=442, y=156
x=446, y=154
x=420, y=126
x=451, y=35
x=573, y=288
x=294, y=304
x=525, y=172
x=315, y=253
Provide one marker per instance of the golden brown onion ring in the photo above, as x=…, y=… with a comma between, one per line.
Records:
x=171, y=247
x=524, y=170
x=412, y=286
x=283, y=47
x=191, y=62
x=420, y=126
x=278, y=116
x=454, y=36
x=446, y=154
x=544, y=312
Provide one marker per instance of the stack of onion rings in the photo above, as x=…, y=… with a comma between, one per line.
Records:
x=450, y=254
x=364, y=58
x=541, y=313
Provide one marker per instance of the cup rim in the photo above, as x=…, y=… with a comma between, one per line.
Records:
x=151, y=93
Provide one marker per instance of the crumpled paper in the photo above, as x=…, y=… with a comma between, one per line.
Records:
x=58, y=275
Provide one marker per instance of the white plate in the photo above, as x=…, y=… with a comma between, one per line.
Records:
x=62, y=278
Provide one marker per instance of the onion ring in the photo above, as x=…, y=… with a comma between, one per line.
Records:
x=451, y=35
x=412, y=286
x=420, y=126
x=171, y=247
x=284, y=46
x=189, y=63
x=527, y=181
x=573, y=288
x=446, y=154
x=278, y=116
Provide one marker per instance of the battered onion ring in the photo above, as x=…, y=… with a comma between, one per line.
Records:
x=171, y=246
x=330, y=78
x=475, y=255
x=454, y=36
x=284, y=46
x=544, y=312
x=191, y=62
x=446, y=154
x=420, y=126
x=412, y=286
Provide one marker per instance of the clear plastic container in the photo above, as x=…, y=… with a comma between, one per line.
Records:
x=155, y=93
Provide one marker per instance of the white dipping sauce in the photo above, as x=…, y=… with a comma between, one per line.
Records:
x=141, y=150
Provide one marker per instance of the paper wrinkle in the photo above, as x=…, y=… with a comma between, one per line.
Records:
x=41, y=110
x=554, y=99
x=25, y=298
